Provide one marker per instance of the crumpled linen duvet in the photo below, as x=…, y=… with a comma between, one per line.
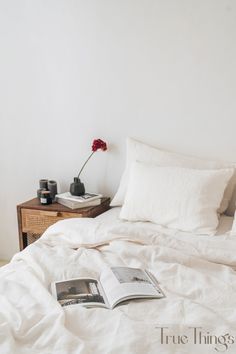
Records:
x=197, y=315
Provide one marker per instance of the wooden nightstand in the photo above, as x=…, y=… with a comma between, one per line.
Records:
x=34, y=218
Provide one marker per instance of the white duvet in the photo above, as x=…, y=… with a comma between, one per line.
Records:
x=195, y=273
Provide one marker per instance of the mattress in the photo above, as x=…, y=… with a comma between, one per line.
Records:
x=196, y=273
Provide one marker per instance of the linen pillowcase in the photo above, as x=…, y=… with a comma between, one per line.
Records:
x=137, y=151
x=176, y=197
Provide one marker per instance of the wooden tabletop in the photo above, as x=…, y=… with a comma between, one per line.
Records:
x=35, y=204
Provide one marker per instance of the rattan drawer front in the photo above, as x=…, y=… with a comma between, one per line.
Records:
x=37, y=221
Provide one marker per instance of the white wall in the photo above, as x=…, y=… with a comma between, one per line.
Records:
x=162, y=71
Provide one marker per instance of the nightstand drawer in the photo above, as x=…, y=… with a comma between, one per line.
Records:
x=37, y=221
x=34, y=218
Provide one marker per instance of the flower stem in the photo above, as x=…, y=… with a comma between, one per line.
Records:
x=85, y=163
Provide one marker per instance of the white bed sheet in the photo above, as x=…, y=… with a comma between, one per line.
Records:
x=111, y=217
x=195, y=272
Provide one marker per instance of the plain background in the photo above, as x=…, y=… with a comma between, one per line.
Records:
x=162, y=71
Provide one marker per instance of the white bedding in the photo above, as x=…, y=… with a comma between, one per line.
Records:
x=195, y=272
x=111, y=217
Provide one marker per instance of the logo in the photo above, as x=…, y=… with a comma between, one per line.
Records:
x=197, y=336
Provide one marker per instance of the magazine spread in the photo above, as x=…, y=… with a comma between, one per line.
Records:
x=116, y=284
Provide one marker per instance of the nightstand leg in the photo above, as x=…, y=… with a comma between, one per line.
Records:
x=20, y=228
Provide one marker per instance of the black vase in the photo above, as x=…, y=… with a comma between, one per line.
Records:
x=77, y=187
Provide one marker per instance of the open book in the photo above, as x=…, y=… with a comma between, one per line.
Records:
x=116, y=284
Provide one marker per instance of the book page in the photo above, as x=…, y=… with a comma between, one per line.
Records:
x=121, y=283
x=83, y=291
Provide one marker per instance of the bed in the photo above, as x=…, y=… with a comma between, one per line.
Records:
x=196, y=272
x=196, y=275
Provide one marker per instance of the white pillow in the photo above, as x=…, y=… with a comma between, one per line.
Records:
x=137, y=151
x=177, y=197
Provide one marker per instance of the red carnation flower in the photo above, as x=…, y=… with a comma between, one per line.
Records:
x=97, y=144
